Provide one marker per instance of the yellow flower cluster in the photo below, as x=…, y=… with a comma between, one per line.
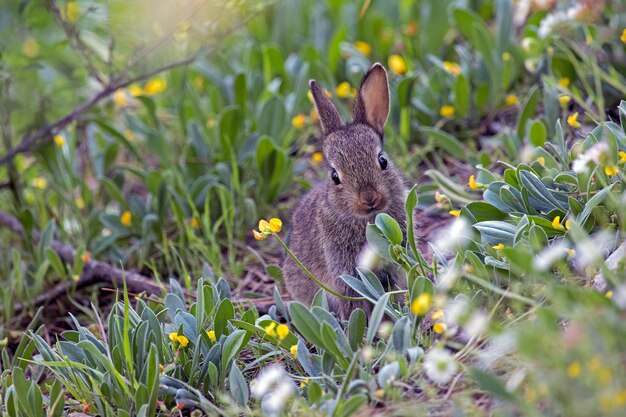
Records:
x=211, y=334
x=266, y=228
x=439, y=327
x=179, y=340
x=421, y=305
x=345, y=90
x=280, y=331
x=452, y=68
x=363, y=47
x=298, y=121
x=572, y=120
x=126, y=218
x=447, y=111
x=396, y=64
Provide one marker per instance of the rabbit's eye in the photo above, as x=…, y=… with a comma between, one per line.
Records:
x=335, y=177
x=382, y=161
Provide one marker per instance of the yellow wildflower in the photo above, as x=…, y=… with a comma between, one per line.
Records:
x=126, y=218
x=564, y=100
x=40, y=182
x=129, y=135
x=379, y=393
x=345, y=90
x=30, y=48
x=506, y=56
x=623, y=37
x=304, y=382
x=183, y=341
x=135, y=90
x=264, y=226
x=499, y=246
x=275, y=225
x=611, y=170
x=298, y=121
x=173, y=336
x=452, y=68
x=120, y=99
x=447, y=111
x=471, y=183
x=421, y=304
x=622, y=157
x=396, y=64
x=294, y=350
x=161, y=368
x=455, y=213
x=564, y=82
x=59, y=141
x=198, y=81
x=437, y=314
x=72, y=11
x=439, y=327
x=511, y=100
x=155, y=86
x=317, y=157
x=211, y=334
x=572, y=120
x=573, y=370
x=556, y=223
x=363, y=47
x=270, y=329
x=194, y=222
x=258, y=235
x=282, y=331
x=567, y=224
x=542, y=161
x=609, y=294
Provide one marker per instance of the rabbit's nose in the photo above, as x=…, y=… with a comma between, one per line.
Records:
x=370, y=199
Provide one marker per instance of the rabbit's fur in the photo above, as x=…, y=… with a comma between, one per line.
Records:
x=328, y=226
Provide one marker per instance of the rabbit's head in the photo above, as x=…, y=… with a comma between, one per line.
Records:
x=362, y=180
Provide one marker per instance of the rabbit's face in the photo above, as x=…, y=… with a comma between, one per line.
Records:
x=361, y=178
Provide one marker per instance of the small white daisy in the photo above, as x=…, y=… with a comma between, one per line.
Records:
x=440, y=365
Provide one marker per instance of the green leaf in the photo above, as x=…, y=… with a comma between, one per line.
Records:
x=528, y=110
x=376, y=317
x=356, y=328
x=306, y=324
x=491, y=384
x=538, y=133
x=446, y=142
x=225, y=312
x=230, y=349
x=389, y=227
x=238, y=386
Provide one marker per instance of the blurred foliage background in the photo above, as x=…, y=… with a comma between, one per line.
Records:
x=152, y=136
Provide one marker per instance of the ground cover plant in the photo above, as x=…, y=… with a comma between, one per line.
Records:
x=152, y=154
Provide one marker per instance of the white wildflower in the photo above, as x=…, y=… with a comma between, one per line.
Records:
x=546, y=258
x=448, y=278
x=454, y=237
x=274, y=402
x=551, y=22
x=368, y=258
x=266, y=379
x=590, y=250
x=440, y=365
x=477, y=324
x=597, y=154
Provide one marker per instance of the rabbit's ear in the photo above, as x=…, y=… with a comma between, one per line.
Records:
x=372, y=101
x=328, y=113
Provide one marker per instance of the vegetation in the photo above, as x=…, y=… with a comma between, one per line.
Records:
x=144, y=140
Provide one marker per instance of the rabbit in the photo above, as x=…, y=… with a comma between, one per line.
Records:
x=328, y=225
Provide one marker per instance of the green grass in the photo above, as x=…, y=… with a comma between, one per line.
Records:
x=199, y=125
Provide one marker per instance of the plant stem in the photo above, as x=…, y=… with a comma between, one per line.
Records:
x=310, y=275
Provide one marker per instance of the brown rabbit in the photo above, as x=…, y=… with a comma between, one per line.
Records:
x=328, y=226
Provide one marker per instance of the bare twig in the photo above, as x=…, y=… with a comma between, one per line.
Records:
x=100, y=273
x=29, y=140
